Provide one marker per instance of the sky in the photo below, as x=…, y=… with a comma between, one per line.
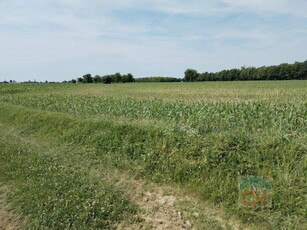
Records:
x=57, y=40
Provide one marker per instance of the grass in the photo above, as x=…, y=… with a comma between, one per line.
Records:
x=200, y=136
x=52, y=192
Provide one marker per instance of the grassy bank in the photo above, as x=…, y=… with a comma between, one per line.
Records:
x=51, y=189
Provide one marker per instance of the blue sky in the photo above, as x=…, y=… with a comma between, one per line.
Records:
x=58, y=40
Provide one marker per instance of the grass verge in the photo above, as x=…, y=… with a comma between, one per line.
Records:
x=52, y=189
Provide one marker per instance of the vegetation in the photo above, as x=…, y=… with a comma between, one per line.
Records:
x=158, y=79
x=107, y=79
x=201, y=137
x=52, y=192
x=190, y=75
x=296, y=71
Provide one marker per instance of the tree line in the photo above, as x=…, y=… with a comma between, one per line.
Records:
x=107, y=79
x=158, y=79
x=118, y=78
x=295, y=71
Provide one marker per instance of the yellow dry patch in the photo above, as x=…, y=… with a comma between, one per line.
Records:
x=8, y=219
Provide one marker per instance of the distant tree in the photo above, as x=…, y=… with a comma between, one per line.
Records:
x=80, y=79
x=97, y=79
x=107, y=79
x=272, y=72
x=284, y=71
x=124, y=78
x=117, y=77
x=130, y=77
x=73, y=81
x=157, y=79
x=87, y=78
x=261, y=73
x=190, y=75
x=234, y=74
x=302, y=73
x=203, y=77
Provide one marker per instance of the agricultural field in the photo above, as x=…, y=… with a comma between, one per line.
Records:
x=151, y=155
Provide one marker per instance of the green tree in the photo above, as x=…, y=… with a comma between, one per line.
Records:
x=107, y=79
x=130, y=78
x=302, y=73
x=191, y=75
x=87, y=78
x=117, y=77
x=97, y=79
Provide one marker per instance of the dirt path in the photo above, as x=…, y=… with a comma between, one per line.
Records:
x=167, y=207
x=158, y=206
x=7, y=219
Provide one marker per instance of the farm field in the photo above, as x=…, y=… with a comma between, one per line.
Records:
x=151, y=155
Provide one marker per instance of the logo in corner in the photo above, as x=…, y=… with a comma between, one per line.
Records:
x=255, y=191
